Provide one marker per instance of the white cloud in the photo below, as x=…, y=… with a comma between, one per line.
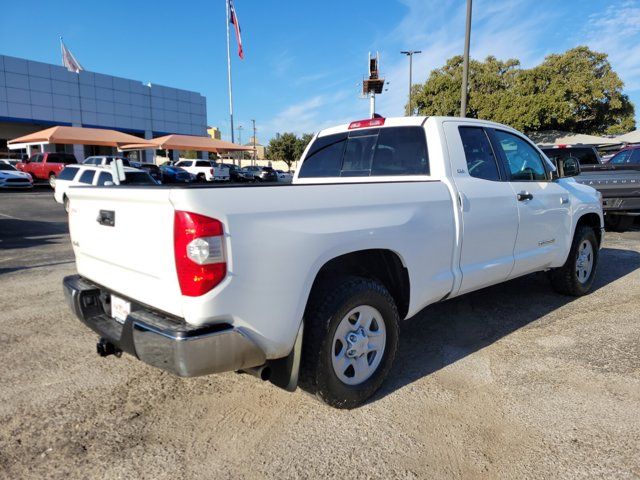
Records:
x=437, y=28
x=616, y=31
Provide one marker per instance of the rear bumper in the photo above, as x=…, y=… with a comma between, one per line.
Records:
x=177, y=347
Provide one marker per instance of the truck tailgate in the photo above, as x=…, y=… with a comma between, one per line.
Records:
x=134, y=256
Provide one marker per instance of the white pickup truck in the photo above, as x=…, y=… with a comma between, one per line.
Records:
x=205, y=170
x=306, y=283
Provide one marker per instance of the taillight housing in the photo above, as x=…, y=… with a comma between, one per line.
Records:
x=198, y=244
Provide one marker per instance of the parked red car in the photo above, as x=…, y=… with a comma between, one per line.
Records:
x=46, y=166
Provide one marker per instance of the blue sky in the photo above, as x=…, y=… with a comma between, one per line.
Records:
x=304, y=60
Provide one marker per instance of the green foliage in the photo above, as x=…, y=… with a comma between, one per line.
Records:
x=576, y=91
x=190, y=154
x=287, y=147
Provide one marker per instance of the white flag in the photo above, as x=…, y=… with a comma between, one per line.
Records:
x=68, y=60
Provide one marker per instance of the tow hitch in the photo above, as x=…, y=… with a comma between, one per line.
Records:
x=106, y=348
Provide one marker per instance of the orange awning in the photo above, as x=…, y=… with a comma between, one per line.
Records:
x=189, y=142
x=81, y=136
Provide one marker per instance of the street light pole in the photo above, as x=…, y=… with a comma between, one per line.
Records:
x=254, y=141
x=465, y=63
x=410, y=54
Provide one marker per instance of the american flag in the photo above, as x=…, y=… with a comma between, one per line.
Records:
x=233, y=19
x=68, y=60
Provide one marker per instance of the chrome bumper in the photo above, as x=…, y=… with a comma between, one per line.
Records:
x=170, y=344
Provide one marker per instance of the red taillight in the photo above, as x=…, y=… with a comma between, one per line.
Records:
x=198, y=244
x=211, y=171
x=371, y=122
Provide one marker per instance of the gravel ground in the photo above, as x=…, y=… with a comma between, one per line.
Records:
x=513, y=381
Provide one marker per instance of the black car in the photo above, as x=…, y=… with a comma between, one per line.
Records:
x=150, y=168
x=235, y=172
x=171, y=174
x=267, y=174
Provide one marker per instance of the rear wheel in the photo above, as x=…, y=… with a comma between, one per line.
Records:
x=52, y=180
x=576, y=276
x=201, y=178
x=350, y=341
x=65, y=202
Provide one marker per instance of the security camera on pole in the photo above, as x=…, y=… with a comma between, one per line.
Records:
x=374, y=84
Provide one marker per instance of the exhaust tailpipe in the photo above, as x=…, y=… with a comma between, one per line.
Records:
x=105, y=348
x=263, y=372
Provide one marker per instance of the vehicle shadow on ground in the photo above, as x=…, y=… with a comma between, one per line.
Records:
x=444, y=333
x=18, y=234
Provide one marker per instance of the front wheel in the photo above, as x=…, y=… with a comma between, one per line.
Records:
x=576, y=276
x=65, y=202
x=350, y=341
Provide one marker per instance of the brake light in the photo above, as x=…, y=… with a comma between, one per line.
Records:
x=370, y=122
x=198, y=244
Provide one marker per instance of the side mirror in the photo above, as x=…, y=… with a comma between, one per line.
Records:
x=26, y=160
x=569, y=167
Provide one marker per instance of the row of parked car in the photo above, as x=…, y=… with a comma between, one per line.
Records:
x=48, y=166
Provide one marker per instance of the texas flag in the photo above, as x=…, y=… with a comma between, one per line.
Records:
x=233, y=19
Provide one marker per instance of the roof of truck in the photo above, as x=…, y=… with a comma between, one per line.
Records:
x=381, y=122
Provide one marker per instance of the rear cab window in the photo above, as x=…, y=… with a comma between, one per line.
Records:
x=68, y=173
x=65, y=158
x=87, y=177
x=371, y=152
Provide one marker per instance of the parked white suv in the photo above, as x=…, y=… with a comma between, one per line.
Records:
x=384, y=217
x=205, y=170
x=89, y=175
x=104, y=160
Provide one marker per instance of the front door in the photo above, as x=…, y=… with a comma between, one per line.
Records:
x=543, y=205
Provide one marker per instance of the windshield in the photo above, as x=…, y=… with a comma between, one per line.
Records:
x=6, y=166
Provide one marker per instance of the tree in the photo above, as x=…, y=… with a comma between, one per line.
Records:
x=302, y=143
x=576, y=91
x=287, y=147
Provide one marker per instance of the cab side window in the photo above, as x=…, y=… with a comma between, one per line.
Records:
x=481, y=161
x=104, y=178
x=523, y=161
x=86, y=177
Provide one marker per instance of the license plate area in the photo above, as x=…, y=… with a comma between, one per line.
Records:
x=120, y=309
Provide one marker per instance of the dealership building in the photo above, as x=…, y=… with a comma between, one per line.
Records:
x=35, y=95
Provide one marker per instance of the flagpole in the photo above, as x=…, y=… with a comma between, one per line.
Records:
x=229, y=72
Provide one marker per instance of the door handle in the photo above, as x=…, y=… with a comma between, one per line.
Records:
x=107, y=218
x=522, y=196
x=564, y=200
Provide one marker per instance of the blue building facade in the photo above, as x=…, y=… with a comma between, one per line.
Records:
x=35, y=95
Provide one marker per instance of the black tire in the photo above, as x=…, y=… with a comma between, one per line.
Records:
x=201, y=178
x=619, y=223
x=65, y=202
x=328, y=306
x=565, y=279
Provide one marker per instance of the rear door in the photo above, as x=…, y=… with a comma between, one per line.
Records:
x=543, y=205
x=487, y=205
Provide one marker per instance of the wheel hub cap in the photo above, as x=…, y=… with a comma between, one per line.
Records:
x=584, y=262
x=358, y=345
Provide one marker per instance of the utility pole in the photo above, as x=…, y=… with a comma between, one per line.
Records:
x=410, y=54
x=465, y=63
x=239, y=128
x=253, y=122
